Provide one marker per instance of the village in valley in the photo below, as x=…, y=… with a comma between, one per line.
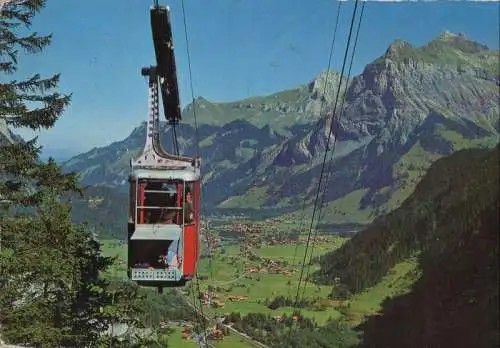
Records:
x=250, y=267
x=245, y=265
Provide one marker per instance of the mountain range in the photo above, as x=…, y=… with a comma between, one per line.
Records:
x=406, y=109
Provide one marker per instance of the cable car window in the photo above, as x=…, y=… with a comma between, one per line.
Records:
x=189, y=208
x=161, y=201
x=154, y=254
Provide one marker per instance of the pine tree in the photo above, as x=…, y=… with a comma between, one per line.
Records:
x=51, y=293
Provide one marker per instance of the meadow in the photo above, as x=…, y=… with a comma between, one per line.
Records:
x=230, y=341
x=234, y=274
x=228, y=275
x=245, y=281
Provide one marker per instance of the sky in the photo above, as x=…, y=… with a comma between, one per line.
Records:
x=238, y=48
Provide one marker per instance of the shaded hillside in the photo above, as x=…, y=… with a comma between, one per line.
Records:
x=451, y=224
x=455, y=302
x=104, y=209
x=434, y=212
x=406, y=109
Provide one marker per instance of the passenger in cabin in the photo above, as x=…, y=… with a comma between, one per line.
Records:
x=149, y=201
x=141, y=264
x=154, y=185
x=172, y=257
x=171, y=199
x=171, y=204
x=167, y=217
x=188, y=208
x=169, y=258
x=154, y=198
x=147, y=218
x=162, y=259
x=166, y=186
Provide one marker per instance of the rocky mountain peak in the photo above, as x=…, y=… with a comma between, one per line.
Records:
x=398, y=47
x=449, y=36
x=199, y=101
x=459, y=42
x=325, y=85
x=446, y=49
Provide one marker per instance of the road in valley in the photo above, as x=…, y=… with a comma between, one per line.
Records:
x=242, y=335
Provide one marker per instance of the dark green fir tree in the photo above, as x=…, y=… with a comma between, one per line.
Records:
x=51, y=292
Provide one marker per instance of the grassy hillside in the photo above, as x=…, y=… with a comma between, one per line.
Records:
x=421, y=220
x=402, y=173
x=449, y=225
x=455, y=302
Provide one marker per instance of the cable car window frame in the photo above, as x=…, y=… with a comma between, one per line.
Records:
x=132, y=211
x=143, y=182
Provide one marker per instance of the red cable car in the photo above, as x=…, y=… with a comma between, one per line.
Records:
x=164, y=220
x=164, y=214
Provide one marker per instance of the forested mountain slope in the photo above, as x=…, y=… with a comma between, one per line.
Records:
x=451, y=223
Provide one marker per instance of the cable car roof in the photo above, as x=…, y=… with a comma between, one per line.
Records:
x=184, y=174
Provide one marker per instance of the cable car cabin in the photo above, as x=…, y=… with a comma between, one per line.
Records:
x=164, y=218
x=164, y=214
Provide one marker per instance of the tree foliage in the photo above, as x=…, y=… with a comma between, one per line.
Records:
x=421, y=220
x=52, y=294
x=294, y=331
x=455, y=302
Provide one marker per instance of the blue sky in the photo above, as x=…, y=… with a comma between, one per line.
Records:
x=239, y=48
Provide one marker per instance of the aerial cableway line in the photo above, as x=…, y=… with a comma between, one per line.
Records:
x=324, y=190
x=323, y=165
x=164, y=206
